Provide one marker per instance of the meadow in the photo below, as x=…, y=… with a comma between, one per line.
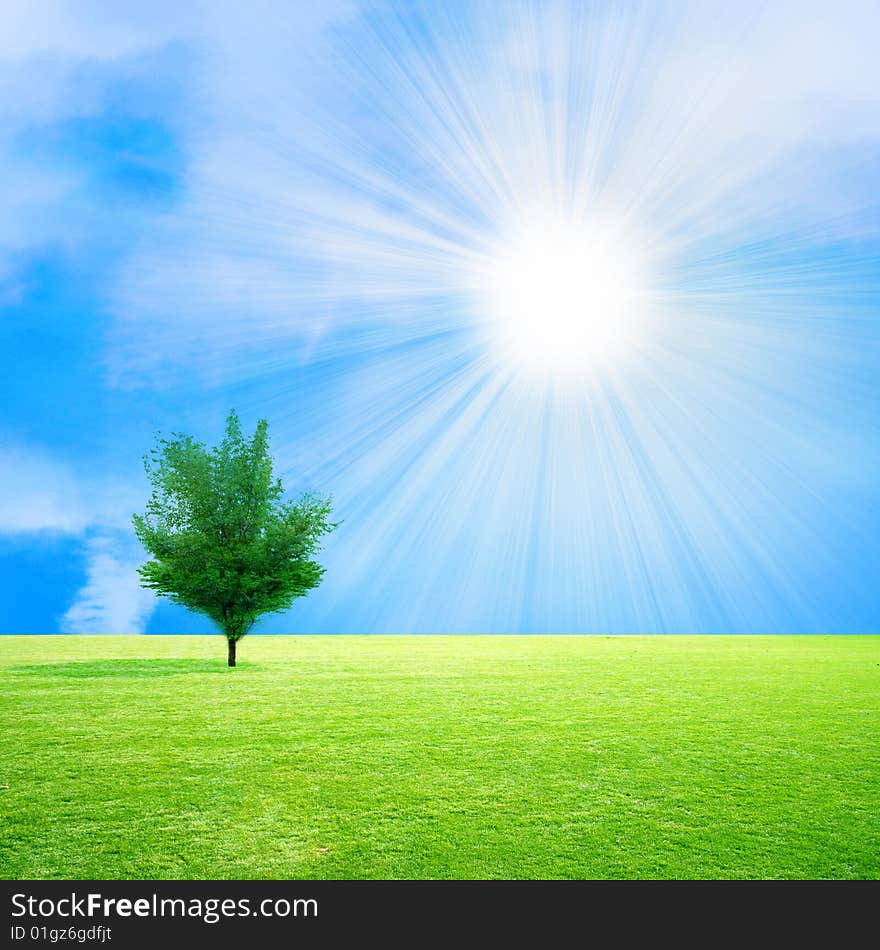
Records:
x=440, y=757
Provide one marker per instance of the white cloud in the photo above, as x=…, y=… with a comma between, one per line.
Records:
x=57, y=59
x=41, y=494
x=112, y=600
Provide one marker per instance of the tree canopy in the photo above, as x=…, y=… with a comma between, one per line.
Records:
x=223, y=539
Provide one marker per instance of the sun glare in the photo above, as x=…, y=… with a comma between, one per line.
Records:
x=563, y=298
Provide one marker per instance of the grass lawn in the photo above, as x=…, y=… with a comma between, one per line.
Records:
x=440, y=757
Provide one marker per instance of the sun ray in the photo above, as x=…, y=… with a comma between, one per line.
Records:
x=553, y=296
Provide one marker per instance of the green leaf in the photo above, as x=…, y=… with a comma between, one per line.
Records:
x=224, y=541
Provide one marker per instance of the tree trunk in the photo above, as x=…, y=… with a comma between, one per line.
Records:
x=231, y=643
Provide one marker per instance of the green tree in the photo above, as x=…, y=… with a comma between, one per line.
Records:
x=223, y=540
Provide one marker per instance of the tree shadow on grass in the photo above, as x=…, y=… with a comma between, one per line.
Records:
x=132, y=669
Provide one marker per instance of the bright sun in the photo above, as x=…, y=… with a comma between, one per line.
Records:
x=563, y=298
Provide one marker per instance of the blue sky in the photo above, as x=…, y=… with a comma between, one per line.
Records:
x=304, y=214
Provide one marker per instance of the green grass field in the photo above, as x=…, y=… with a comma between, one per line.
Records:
x=440, y=757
